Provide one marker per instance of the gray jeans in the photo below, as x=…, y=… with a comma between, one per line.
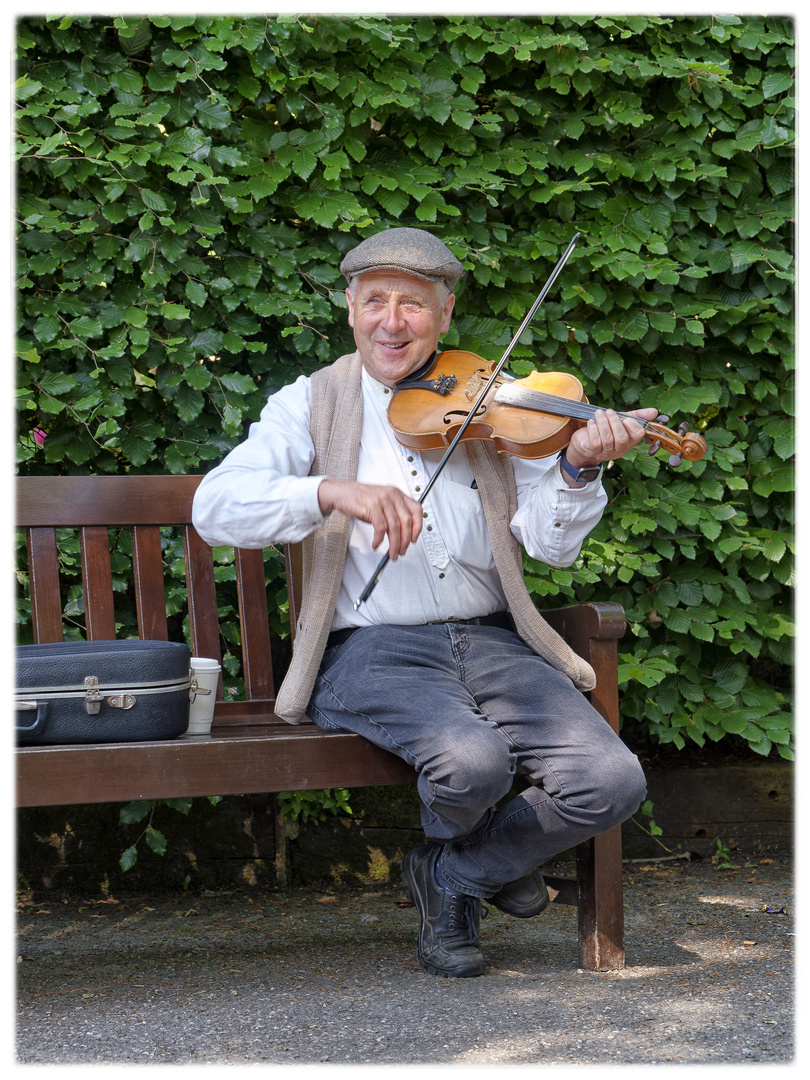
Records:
x=469, y=707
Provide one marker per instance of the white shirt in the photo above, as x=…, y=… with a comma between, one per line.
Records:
x=262, y=494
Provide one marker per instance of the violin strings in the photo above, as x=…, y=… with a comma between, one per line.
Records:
x=581, y=410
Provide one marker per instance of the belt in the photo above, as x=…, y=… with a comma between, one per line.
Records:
x=499, y=618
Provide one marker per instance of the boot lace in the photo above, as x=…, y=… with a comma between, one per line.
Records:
x=464, y=915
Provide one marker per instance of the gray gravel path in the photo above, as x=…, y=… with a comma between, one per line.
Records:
x=302, y=979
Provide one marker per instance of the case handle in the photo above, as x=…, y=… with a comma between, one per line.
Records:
x=40, y=721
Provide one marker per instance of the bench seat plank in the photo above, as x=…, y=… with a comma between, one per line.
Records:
x=240, y=761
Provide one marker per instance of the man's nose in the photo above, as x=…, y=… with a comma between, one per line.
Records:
x=392, y=317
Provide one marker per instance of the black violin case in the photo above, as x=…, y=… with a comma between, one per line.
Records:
x=102, y=691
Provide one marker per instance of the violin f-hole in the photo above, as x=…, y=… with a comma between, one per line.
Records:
x=461, y=414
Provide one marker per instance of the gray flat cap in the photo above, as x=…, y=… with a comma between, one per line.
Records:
x=411, y=251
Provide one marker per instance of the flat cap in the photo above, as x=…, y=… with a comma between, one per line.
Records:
x=411, y=251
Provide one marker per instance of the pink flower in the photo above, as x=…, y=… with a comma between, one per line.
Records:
x=40, y=436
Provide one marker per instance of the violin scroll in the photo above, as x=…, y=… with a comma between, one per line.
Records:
x=681, y=444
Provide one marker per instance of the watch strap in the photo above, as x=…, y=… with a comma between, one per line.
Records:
x=579, y=476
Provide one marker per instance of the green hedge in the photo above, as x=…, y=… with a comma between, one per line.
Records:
x=188, y=185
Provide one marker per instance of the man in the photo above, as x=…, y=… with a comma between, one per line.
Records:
x=446, y=663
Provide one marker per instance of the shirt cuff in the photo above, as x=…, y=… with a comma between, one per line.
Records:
x=305, y=509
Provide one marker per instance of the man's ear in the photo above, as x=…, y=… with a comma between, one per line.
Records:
x=350, y=302
x=448, y=312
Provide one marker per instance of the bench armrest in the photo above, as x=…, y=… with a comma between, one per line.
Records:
x=582, y=622
x=593, y=631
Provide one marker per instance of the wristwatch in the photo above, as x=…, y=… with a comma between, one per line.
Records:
x=579, y=476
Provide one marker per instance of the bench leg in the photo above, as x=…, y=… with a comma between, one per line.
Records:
x=600, y=909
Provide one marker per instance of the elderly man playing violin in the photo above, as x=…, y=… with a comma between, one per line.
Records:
x=447, y=663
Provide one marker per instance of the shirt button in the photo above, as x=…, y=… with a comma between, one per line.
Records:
x=424, y=513
x=430, y=528
x=414, y=472
x=418, y=488
x=557, y=524
x=441, y=575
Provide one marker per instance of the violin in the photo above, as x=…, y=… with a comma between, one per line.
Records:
x=533, y=417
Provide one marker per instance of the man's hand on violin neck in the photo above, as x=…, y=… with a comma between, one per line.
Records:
x=606, y=437
x=390, y=511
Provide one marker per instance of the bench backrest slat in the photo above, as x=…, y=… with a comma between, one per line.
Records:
x=150, y=591
x=43, y=571
x=293, y=561
x=99, y=608
x=202, y=598
x=256, y=652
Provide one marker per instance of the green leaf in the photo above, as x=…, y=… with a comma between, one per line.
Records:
x=128, y=858
x=393, y=202
x=189, y=403
x=174, y=311
x=156, y=841
x=241, y=384
x=46, y=328
x=776, y=83
x=196, y=293
x=153, y=200
x=689, y=593
x=212, y=113
x=733, y=723
x=57, y=382
x=135, y=811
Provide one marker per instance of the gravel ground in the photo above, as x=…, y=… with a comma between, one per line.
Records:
x=307, y=978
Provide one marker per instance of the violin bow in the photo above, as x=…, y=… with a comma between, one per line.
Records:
x=367, y=591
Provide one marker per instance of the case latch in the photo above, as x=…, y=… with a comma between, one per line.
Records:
x=93, y=696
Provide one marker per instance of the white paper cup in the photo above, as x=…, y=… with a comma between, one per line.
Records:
x=205, y=672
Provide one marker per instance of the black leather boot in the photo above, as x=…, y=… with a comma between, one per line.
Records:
x=523, y=898
x=448, y=920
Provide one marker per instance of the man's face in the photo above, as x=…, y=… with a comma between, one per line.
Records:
x=397, y=321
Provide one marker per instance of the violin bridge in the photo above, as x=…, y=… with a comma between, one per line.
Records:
x=474, y=385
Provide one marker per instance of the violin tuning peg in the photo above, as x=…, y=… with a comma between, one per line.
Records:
x=675, y=460
x=662, y=419
x=654, y=447
x=683, y=428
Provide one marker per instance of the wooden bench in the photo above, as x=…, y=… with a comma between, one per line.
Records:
x=250, y=750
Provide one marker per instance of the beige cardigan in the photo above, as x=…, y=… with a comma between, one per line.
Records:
x=337, y=409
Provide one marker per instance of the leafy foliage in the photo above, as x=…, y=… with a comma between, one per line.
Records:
x=133, y=813
x=313, y=806
x=188, y=185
